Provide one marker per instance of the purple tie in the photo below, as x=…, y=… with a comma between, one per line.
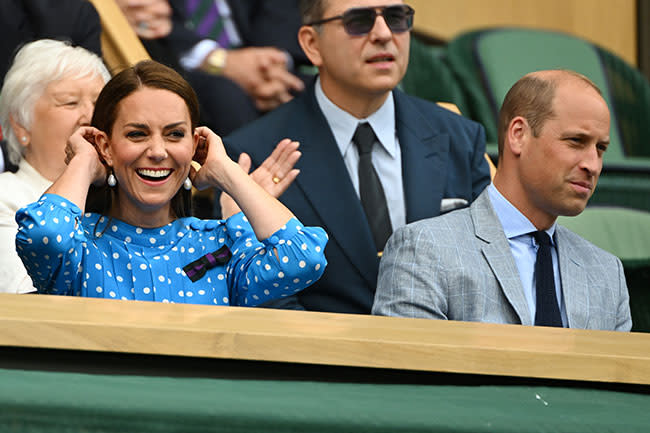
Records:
x=207, y=21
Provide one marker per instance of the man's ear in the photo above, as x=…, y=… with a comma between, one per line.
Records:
x=103, y=147
x=309, y=40
x=22, y=134
x=517, y=135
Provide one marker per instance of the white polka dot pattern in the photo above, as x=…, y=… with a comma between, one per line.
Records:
x=126, y=262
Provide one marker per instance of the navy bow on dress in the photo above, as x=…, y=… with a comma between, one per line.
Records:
x=197, y=269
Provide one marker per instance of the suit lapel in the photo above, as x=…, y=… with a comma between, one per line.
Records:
x=424, y=160
x=574, y=282
x=497, y=254
x=325, y=183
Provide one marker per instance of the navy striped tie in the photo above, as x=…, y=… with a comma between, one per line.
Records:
x=207, y=21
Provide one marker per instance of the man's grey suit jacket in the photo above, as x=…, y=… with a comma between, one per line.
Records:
x=459, y=267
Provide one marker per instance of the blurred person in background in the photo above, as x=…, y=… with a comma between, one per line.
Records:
x=49, y=91
x=240, y=56
x=23, y=21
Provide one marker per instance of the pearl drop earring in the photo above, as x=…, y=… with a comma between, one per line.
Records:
x=187, y=184
x=111, y=181
x=23, y=138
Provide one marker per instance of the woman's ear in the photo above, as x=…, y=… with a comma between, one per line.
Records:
x=195, y=140
x=23, y=136
x=103, y=147
x=200, y=148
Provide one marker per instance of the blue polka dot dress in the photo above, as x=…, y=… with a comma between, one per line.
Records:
x=68, y=253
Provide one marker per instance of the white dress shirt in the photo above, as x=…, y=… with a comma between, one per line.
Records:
x=387, y=157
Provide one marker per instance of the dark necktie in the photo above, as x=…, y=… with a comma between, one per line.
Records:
x=207, y=21
x=547, y=312
x=372, y=194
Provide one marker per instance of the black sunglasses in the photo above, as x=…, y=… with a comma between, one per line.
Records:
x=359, y=21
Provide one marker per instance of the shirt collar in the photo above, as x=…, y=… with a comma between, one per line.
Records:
x=343, y=124
x=514, y=223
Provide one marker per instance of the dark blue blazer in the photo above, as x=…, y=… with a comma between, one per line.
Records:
x=260, y=23
x=23, y=21
x=442, y=157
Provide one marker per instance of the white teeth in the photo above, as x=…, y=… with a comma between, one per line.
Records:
x=154, y=173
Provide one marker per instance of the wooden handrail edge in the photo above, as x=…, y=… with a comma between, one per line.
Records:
x=53, y=322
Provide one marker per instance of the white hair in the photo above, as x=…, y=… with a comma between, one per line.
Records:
x=37, y=65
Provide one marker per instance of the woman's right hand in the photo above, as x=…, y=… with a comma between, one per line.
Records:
x=81, y=144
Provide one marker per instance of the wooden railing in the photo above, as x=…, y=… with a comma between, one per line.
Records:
x=120, y=45
x=129, y=327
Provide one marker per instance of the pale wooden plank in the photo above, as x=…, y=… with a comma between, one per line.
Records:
x=323, y=338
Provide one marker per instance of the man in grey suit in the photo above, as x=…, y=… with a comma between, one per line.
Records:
x=482, y=263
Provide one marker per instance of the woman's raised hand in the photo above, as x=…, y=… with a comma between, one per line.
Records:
x=215, y=163
x=81, y=144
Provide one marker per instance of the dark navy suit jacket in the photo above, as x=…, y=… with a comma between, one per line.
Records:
x=23, y=21
x=442, y=157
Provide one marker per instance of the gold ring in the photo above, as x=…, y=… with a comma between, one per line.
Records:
x=276, y=180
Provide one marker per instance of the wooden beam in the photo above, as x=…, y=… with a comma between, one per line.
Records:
x=131, y=327
x=120, y=45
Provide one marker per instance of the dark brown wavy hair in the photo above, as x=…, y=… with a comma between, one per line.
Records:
x=151, y=74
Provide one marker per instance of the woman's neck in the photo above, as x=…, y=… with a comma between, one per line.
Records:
x=130, y=213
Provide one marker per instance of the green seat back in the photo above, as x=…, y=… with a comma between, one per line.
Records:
x=626, y=234
x=429, y=76
x=463, y=62
x=623, y=232
x=630, y=92
x=505, y=55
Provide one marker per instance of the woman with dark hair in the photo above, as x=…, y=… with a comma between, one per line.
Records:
x=142, y=245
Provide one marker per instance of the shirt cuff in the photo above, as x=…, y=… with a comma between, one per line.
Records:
x=194, y=58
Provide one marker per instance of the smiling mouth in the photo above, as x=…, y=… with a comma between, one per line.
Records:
x=154, y=175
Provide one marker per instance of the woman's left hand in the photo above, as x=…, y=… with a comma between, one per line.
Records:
x=215, y=163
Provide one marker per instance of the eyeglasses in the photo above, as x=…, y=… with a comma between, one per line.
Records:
x=359, y=21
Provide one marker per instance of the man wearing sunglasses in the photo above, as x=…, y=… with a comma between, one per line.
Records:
x=373, y=158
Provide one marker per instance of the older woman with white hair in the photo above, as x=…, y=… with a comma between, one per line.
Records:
x=49, y=91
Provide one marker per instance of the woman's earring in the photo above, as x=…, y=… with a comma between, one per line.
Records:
x=111, y=181
x=187, y=184
x=23, y=139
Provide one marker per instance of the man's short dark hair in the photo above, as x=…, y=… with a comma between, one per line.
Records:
x=531, y=97
x=311, y=10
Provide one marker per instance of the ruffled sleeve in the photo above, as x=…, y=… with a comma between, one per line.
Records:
x=257, y=275
x=50, y=243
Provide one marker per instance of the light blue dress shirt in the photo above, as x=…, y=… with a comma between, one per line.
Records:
x=387, y=157
x=517, y=229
